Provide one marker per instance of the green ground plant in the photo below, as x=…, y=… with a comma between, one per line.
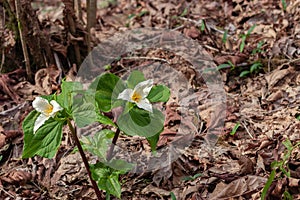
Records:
x=254, y=68
x=244, y=37
x=280, y=169
x=77, y=107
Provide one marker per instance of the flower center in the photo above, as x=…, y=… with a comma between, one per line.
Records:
x=136, y=97
x=48, y=110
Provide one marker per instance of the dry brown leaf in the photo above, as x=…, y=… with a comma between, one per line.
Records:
x=2, y=140
x=192, y=32
x=172, y=115
x=158, y=191
x=71, y=168
x=165, y=137
x=236, y=59
x=45, y=79
x=25, y=89
x=239, y=187
x=247, y=166
x=16, y=177
x=6, y=85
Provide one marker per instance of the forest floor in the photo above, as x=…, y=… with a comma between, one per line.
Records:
x=255, y=46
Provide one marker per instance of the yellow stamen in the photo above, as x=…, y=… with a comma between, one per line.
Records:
x=48, y=110
x=136, y=97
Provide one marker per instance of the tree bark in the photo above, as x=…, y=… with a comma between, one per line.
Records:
x=71, y=30
x=35, y=39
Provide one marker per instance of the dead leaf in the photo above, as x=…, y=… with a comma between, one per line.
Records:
x=16, y=177
x=172, y=115
x=247, y=166
x=237, y=188
x=236, y=59
x=45, y=79
x=192, y=32
x=71, y=168
x=277, y=75
x=158, y=191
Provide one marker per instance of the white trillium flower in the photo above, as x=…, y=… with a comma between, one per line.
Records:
x=46, y=109
x=138, y=95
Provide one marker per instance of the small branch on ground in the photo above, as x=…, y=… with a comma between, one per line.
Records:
x=146, y=58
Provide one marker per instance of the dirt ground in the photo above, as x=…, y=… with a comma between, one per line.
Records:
x=255, y=46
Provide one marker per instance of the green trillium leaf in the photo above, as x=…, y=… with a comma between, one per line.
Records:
x=137, y=122
x=139, y=116
x=134, y=78
x=159, y=93
x=121, y=165
x=28, y=125
x=104, y=120
x=98, y=144
x=65, y=98
x=107, y=178
x=153, y=140
x=114, y=185
x=107, y=88
x=45, y=142
x=84, y=114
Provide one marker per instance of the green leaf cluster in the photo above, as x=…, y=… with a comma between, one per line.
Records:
x=98, y=143
x=245, y=36
x=107, y=177
x=255, y=67
x=89, y=106
x=282, y=166
x=46, y=141
x=133, y=120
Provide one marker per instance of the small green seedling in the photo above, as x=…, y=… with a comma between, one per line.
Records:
x=284, y=5
x=235, y=128
x=225, y=35
x=287, y=196
x=258, y=48
x=227, y=65
x=282, y=166
x=245, y=36
x=107, y=67
x=202, y=27
x=185, y=12
x=191, y=178
x=254, y=68
x=173, y=197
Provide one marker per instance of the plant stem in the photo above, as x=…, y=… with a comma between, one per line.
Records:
x=112, y=146
x=84, y=159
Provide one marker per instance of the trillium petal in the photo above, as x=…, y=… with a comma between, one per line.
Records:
x=40, y=104
x=126, y=95
x=56, y=107
x=143, y=88
x=39, y=122
x=145, y=104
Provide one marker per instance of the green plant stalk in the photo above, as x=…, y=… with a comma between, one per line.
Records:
x=112, y=146
x=84, y=159
x=268, y=184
